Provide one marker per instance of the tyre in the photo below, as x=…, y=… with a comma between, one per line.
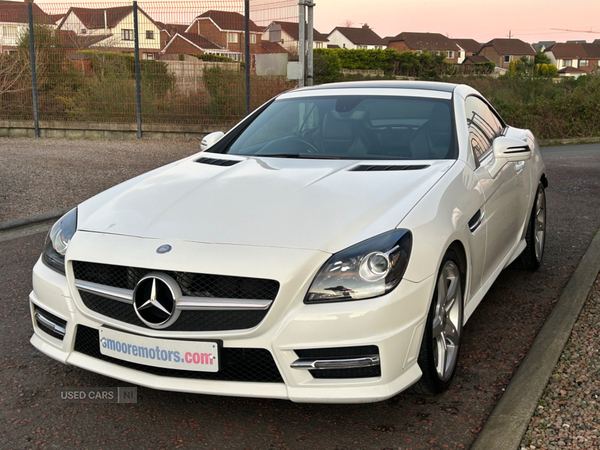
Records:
x=440, y=346
x=531, y=258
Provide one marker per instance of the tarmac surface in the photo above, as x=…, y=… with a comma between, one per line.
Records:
x=496, y=338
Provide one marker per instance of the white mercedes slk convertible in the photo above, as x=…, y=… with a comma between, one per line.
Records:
x=328, y=248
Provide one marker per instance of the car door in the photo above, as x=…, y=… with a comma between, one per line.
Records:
x=506, y=198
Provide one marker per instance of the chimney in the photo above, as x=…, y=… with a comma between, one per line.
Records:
x=366, y=26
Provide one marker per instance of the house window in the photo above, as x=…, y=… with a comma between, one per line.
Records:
x=83, y=31
x=232, y=37
x=361, y=47
x=568, y=62
x=318, y=45
x=9, y=31
x=149, y=56
x=450, y=54
x=253, y=39
x=507, y=58
x=150, y=34
x=584, y=63
x=127, y=35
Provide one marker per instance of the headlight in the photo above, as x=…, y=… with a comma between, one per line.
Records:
x=368, y=269
x=58, y=240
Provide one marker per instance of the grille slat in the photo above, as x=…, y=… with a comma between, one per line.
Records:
x=191, y=284
x=237, y=364
x=189, y=320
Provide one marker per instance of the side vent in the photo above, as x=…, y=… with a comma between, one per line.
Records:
x=217, y=162
x=381, y=168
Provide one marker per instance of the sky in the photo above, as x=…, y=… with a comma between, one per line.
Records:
x=482, y=20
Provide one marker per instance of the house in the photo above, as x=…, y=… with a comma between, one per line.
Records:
x=190, y=44
x=542, y=45
x=466, y=47
x=572, y=72
x=355, y=38
x=168, y=30
x=503, y=50
x=14, y=20
x=116, y=25
x=426, y=42
x=582, y=56
x=287, y=34
x=272, y=47
x=226, y=29
x=475, y=60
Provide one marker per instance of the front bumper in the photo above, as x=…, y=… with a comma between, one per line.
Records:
x=393, y=323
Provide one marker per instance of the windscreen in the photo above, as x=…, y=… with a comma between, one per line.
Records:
x=351, y=127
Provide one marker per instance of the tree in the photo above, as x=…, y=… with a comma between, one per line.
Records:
x=542, y=58
x=347, y=23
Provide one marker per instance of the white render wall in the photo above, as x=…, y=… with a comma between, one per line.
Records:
x=337, y=38
x=73, y=23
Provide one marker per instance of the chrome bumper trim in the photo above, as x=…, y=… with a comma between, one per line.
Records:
x=346, y=363
x=48, y=323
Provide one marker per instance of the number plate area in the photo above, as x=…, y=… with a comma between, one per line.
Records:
x=167, y=353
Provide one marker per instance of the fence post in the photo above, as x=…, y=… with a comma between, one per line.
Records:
x=138, y=87
x=36, y=122
x=247, y=49
x=309, y=44
x=302, y=42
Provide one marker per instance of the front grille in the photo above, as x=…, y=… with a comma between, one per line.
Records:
x=188, y=320
x=341, y=353
x=49, y=331
x=237, y=364
x=191, y=284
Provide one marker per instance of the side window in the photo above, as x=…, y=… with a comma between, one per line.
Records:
x=483, y=126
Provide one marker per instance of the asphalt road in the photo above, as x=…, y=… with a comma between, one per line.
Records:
x=495, y=340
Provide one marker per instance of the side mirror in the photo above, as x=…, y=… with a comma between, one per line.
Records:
x=506, y=150
x=211, y=139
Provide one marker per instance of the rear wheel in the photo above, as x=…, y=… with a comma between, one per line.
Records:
x=532, y=256
x=440, y=347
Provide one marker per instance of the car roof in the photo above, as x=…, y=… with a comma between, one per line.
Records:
x=385, y=84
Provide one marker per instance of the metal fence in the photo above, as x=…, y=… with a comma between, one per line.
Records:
x=161, y=63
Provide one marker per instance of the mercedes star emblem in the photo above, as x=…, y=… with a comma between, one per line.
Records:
x=155, y=300
x=164, y=249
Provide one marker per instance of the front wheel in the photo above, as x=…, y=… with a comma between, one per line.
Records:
x=440, y=347
x=531, y=258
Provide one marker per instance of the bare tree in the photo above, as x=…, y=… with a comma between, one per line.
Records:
x=347, y=23
x=13, y=71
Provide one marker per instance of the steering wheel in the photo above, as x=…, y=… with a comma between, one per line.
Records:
x=310, y=147
x=307, y=147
